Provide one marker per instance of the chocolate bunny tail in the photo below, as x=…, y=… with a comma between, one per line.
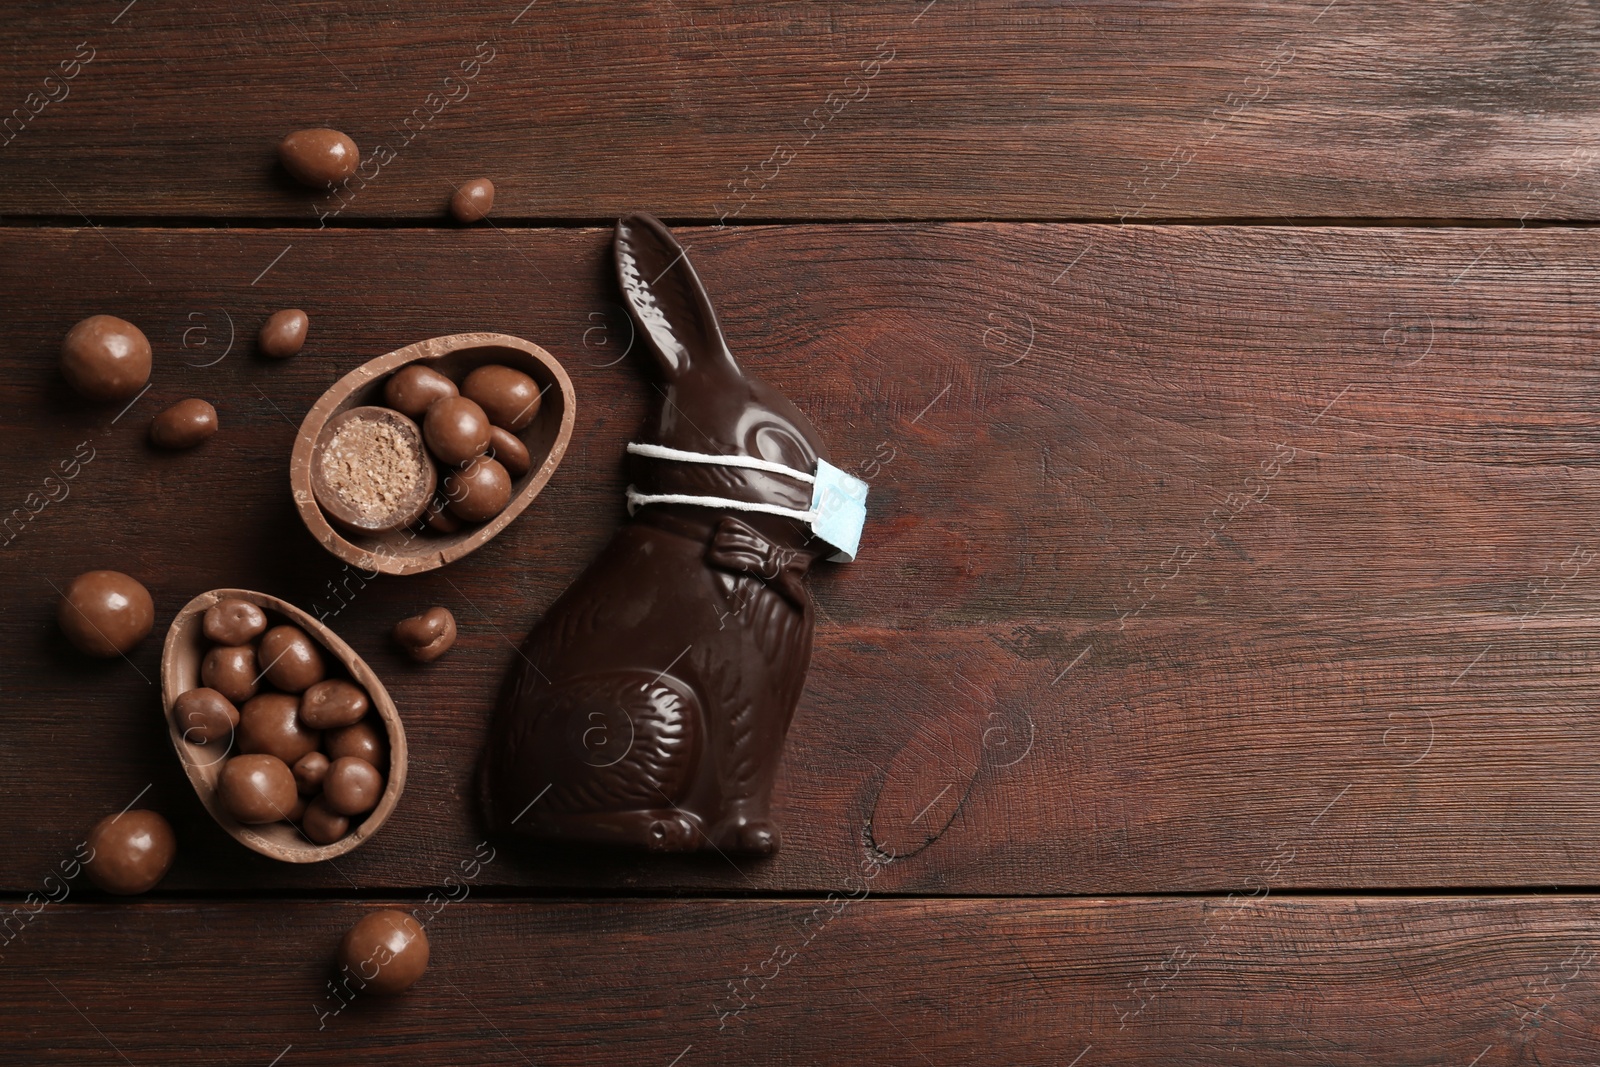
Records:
x=667, y=299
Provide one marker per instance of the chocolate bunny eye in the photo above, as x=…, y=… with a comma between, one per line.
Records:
x=777, y=445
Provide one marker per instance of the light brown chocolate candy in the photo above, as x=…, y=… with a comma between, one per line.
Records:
x=479, y=491
x=284, y=334
x=363, y=741
x=473, y=201
x=508, y=448
x=309, y=771
x=509, y=397
x=105, y=613
x=387, y=950
x=106, y=358
x=289, y=659
x=322, y=824
x=204, y=716
x=233, y=622
x=184, y=424
x=331, y=703
x=257, y=788
x=231, y=670
x=270, y=723
x=130, y=852
x=428, y=636
x=412, y=390
x=352, y=786
x=456, y=430
x=319, y=157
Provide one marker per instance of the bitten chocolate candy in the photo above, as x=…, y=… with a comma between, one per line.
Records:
x=319, y=157
x=332, y=703
x=322, y=824
x=456, y=429
x=233, y=622
x=363, y=741
x=388, y=950
x=231, y=670
x=428, y=636
x=257, y=788
x=290, y=659
x=284, y=334
x=309, y=772
x=106, y=358
x=105, y=613
x=131, y=852
x=184, y=424
x=479, y=491
x=205, y=715
x=510, y=398
x=412, y=390
x=352, y=786
x=508, y=448
x=270, y=723
x=472, y=202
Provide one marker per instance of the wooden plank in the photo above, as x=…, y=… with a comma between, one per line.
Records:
x=1333, y=980
x=1394, y=622
x=700, y=110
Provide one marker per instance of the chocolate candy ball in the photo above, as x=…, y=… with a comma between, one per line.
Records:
x=131, y=852
x=510, y=398
x=456, y=429
x=512, y=454
x=352, y=786
x=479, y=491
x=332, y=703
x=309, y=772
x=439, y=519
x=231, y=670
x=428, y=636
x=290, y=659
x=284, y=334
x=412, y=390
x=319, y=157
x=322, y=824
x=257, y=788
x=270, y=723
x=184, y=424
x=204, y=716
x=363, y=741
x=472, y=201
x=387, y=949
x=233, y=622
x=105, y=613
x=106, y=358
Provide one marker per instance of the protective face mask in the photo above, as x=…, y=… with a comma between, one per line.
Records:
x=838, y=500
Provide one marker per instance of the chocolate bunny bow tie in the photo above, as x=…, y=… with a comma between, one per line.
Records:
x=737, y=547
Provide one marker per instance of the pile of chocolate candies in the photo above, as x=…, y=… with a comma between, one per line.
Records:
x=310, y=750
x=471, y=433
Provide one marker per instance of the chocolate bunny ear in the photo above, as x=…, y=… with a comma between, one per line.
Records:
x=667, y=301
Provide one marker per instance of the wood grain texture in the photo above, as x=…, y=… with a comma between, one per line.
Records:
x=1106, y=634
x=1421, y=981
x=695, y=110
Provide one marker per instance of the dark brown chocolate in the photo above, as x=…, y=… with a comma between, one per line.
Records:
x=106, y=358
x=284, y=334
x=428, y=636
x=473, y=201
x=184, y=424
x=130, y=852
x=387, y=951
x=650, y=704
x=106, y=613
x=319, y=157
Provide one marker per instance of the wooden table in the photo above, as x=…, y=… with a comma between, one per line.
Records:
x=1219, y=664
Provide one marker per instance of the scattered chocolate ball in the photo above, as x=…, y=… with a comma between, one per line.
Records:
x=471, y=202
x=363, y=741
x=257, y=788
x=184, y=424
x=412, y=390
x=105, y=613
x=319, y=157
x=233, y=622
x=270, y=723
x=130, y=852
x=510, y=398
x=456, y=429
x=332, y=703
x=428, y=636
x=390, y=943
x=352, y=786
x=508, y=449
x=106, y=358
x=205, y=715
x=231, y=670
x=309, y=772
x=479, y=491
x=290, y=659
x=284, y=334
x=322, y=824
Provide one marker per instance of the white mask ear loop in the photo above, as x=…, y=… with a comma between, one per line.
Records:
x=637, y=500
x=750, y=462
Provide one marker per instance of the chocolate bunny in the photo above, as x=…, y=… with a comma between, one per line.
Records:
x=649, y=705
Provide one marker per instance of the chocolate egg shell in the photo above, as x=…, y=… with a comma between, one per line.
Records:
x=130, y=852
x=270, y=723
x=205, y=715
x=510, y=398
x=508, y=448
x=234, y=622
x=257, y=788
x=290, y=659
x=412, y=390
x=352, y=786
x=479, y=491
x=105, y=613
x=387, y=950
x=330, y=703
x=473, y=201
x=284, y=333
x=232, y=671
x=184, y=424
x=456, y=429
x=319, y=157
x=106, y=358
x=182, y=653
x=428, y=636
